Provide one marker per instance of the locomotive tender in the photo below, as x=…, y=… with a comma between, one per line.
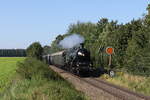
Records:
x=76, y=60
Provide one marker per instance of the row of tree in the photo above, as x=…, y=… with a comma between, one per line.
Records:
x=131, y=42
x=12, y=52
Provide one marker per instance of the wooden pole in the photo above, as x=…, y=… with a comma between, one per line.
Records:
x=110, y=59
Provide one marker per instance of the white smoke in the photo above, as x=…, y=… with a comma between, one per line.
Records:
x=71, y=41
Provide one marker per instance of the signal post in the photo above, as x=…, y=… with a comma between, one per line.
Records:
x=110, y=51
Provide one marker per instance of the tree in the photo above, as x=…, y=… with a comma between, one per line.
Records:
x=55, y=47
x=101, y=25
x=46, y=50
x=147, y=17
x=35, y=50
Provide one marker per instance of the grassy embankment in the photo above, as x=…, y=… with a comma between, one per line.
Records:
x=34, y=81
x=135, y=83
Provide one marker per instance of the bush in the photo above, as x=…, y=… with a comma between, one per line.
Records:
x=41, y=89
x=33, y=67
x=35, y=50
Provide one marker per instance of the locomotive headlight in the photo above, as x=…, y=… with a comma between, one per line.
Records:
x=80, y=54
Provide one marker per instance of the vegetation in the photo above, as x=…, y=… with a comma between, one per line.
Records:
x=135, y=83
x=46, y=50
x=12, y=53
x=35, y=50
x=32, y=67
x=34, y=80
x=7, y=70
x=41, y=89
x=131, y=42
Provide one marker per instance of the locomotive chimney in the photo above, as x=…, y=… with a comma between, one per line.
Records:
x=82, y=45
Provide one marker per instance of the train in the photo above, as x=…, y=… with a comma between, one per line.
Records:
x=76, y=60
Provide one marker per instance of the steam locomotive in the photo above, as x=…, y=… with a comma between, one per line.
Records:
x=76, y=60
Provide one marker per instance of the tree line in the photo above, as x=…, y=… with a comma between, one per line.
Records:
x=131, y=42
x=12, y=52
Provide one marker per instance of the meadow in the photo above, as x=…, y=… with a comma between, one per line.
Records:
x=8, y=66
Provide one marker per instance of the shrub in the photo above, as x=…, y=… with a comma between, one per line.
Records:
x=41, y=89
x=35, y=50
x=33, y=67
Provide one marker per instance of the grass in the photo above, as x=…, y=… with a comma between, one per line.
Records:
x=7, y=70
x=138, y=84
x=35, y=81
x=41, y=89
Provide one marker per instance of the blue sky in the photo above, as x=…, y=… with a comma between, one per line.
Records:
x=25, y=21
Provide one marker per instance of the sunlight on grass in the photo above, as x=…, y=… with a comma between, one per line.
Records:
x=7, y=69
x=135, y=83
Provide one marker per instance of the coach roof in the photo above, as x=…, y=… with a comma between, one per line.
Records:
x=57, y=53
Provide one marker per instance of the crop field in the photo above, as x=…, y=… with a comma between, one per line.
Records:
x=7, y=70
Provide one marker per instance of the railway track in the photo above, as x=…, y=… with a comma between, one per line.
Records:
x=119, y=92
x=98, y=89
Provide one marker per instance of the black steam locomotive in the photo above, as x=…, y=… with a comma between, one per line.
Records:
x=76, y=60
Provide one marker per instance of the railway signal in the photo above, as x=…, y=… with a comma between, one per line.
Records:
x=110, y=51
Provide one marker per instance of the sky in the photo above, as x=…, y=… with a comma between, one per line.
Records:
x=23, y=22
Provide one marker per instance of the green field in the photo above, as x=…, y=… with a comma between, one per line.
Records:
x=7, y=70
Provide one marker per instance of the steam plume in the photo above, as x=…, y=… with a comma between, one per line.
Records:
x=71, y=41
